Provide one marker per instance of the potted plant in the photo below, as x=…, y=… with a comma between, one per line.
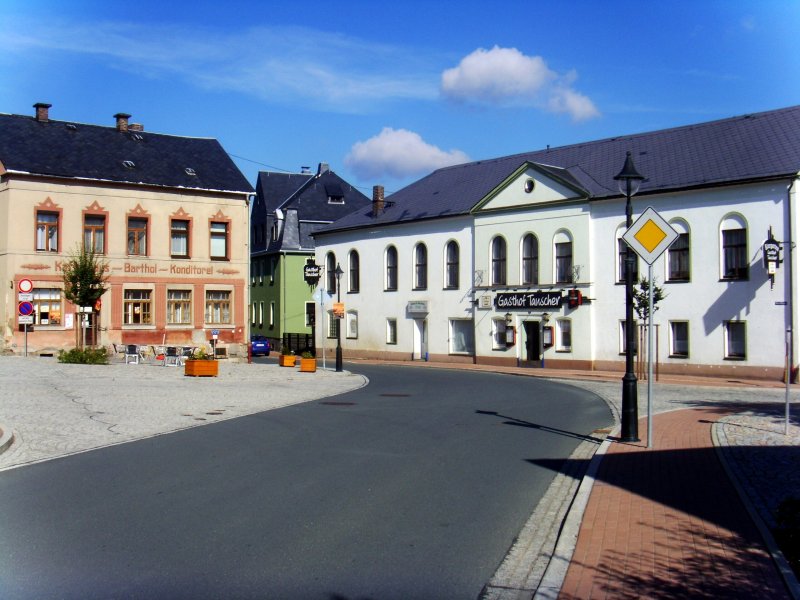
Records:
x=287, y=358
x=201, y=364
x=308, y=363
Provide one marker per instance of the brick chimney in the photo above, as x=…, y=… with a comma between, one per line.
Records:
x=42, y=112
x=135, y=127
x=377, y=200
x=122, y=121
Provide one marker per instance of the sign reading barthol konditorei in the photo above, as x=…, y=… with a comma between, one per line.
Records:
x=528, y=300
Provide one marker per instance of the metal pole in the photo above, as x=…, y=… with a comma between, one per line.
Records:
x=650, y=356
x=788, y=376
x=26, y=339
x=339, y=322
x=630, y=401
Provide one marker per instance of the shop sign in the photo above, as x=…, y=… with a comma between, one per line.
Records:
x=528, y=300
x=417, y=307
x=311, y=273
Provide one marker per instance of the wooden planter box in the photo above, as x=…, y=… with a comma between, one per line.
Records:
x=286, y=360
x=308, y=365
x=201, y=368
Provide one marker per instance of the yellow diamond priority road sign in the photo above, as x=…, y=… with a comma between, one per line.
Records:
x=650, y=235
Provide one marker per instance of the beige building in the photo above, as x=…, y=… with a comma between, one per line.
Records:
x=169, y=215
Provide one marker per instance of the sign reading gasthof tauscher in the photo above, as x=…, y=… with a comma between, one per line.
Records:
x=528, y=301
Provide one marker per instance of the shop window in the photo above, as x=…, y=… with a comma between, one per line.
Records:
x=137, y=307
x=462, y=336
x=179, y=307
x=218, y=307
x=47, y=306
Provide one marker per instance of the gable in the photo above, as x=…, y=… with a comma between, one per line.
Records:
x=529, y=185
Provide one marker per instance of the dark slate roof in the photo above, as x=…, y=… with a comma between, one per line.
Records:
x=752, y=147
x=79, y=151
x=306, y=195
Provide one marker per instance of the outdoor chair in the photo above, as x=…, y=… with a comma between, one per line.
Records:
x=132, y=354
x=172, y=357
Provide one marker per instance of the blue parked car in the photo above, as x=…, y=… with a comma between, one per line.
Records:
x=259, y=345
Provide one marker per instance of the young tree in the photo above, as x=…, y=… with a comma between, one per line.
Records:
x=641, y=302
x=85, y=277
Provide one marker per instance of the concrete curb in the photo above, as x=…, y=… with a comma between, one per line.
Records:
x=789, y=578
x=550, y=586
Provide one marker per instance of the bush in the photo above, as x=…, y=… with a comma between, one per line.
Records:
x=84, y=356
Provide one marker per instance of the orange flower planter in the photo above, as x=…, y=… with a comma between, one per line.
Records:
x=308, y=365
x=201, y=368
x=286, y=360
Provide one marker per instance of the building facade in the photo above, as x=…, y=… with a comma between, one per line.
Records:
x=288, y=207
x=167, y=215
x=537, y=241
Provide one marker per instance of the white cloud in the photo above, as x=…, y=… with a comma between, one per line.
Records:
x=398, y=153
x=507, y=77
x=323, y=70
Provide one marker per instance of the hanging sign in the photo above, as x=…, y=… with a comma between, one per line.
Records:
x=528, y=301
x=311, y=273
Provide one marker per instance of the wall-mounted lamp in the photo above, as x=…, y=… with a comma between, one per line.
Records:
x=509, y=318
x=545, y=317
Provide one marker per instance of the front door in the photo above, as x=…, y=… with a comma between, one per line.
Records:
x=533, y=341
x=420, y=339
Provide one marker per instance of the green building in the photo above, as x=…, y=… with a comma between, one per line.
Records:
x=287, y=209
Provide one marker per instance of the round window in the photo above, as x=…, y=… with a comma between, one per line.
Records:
x=529, y=183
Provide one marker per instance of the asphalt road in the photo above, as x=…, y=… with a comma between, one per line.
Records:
x=412, y=487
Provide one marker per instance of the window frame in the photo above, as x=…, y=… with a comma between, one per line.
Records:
x=351, y=325
x=563, y=240
x=391, y=331
x=177, y=234
x=673, y=339
x=179, y=306
x=330, y=273
x=142, y=239
x=734, y=252
x=420, y=266
x=48, y=226
x=679, y=255
x=622, y=256
x=452, y=260
x=49, y=296
x=130, y=304
x=470, y=329
x=563, y=335
x=391, y=271
x=219, y=310
x=354, y=272
x=729, y=327
x=498, y=257
x=529, y=260
x=216, y=236
x=95, y=230
x=499, y=328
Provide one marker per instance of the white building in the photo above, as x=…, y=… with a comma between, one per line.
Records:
x=478, y=262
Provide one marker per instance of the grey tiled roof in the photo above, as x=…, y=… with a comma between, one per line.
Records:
x=746, y=148
x=72, y=150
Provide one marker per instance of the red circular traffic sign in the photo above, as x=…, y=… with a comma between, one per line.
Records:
x=25, y=286
x=25, y=308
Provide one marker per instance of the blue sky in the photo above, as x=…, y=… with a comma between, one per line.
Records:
x=387, y=92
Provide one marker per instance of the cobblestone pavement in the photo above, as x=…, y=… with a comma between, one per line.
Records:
x=56, y=409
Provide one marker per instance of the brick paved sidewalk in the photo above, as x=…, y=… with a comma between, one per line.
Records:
x=667, y=523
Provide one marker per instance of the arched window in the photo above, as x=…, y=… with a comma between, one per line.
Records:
x=562, y=252
x=451, y=260
x=530, y=259
x=391, y=269
x=733, y=241
x=498, y=261
x=354, y=279
x=678, y=264
x=330, y=272
x=420, y=267
x=622, y=253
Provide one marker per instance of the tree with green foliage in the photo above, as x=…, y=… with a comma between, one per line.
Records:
x=85, y=277
x=641, y=301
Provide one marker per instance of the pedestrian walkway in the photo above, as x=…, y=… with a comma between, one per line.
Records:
x=668, y=523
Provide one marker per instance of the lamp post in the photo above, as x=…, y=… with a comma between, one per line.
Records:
x=631, y=179
x=338, y=272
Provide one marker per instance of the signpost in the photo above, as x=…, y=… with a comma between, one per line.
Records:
x=649, y=236
x=25, y=307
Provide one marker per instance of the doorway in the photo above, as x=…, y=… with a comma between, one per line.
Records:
x=420, y=351
x=533, y=342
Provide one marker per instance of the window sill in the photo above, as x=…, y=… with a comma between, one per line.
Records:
x=679, y=356
x=732, y=279
x=179, y=257
x=678, y=281
x=563, y=350
x=220, y=259
x=138, y=326
x=735, y=358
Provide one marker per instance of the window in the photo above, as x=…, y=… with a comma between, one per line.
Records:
x=391, y=269
x=94, y=233
x=333, y=325
x=530, y=260
x=354, y=282
x=679, y=339
x=622, y=251
x=179, y=307
x=271, y=315
x=137, y=236
x=678, y=256
x=462, y=336
x=310, y=315
x=136, y=307
x=330, y=272
x=451, y=266
x=179, y=238
x=563, y=335
x=499, y=334
x=563, y=256
x=734, y=254
x=352, y=324
x=420, y=267
x=219, y=241
x=47, y=306
x=498, y=261
x=273, y=264
x=253, y=314
x=735, y=342
x=391, y=331
x=218, y=307
x=623, y=339
x=46, y=231
x=261, y=314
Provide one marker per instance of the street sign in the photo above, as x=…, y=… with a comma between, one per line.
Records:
x=338, y=310
x=25, y=319
x=214, y=334
x=25, y=285
x=25, y=296
x=25, y=308
x=650, y=235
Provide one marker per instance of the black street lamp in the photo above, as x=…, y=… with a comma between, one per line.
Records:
x=630, y=400
x=338, y=272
